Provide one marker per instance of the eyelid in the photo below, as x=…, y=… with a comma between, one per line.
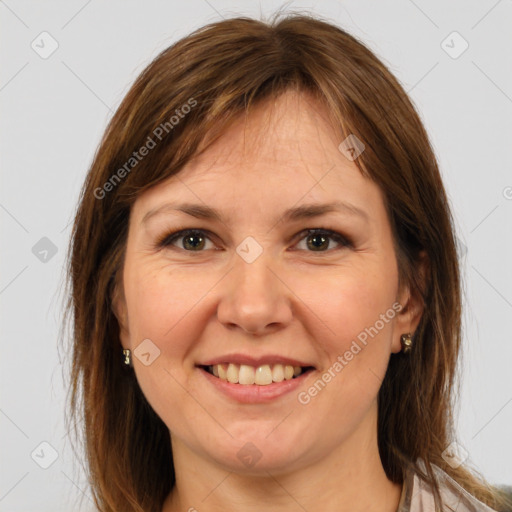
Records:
x=339, y=238
x=342, y=240
x=176, y=234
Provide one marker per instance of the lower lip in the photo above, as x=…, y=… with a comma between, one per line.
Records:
x=254, y=393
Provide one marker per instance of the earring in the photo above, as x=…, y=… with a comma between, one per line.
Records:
x=406, y=342
x=127, y=357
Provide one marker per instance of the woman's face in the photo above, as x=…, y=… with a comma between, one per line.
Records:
x=254, y=288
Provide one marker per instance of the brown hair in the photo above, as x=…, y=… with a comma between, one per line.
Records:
x=219, y=71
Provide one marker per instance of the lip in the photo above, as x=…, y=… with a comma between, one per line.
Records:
x=254, y=393
x=254, y=361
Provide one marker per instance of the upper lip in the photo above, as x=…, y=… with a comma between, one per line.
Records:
x=254, y=361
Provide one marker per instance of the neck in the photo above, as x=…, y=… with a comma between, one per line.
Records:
x=349, y=478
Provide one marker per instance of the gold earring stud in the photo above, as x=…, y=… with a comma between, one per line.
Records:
x=127, y=357
x=406, y=342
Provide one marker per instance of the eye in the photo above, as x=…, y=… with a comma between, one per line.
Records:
x=195, y=240
x=318, y=239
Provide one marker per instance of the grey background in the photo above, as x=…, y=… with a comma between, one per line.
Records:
x=54, y=110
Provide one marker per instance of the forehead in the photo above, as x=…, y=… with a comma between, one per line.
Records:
x=284, y=151
x=279, y=129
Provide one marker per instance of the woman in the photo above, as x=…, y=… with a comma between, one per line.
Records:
x=265, y=287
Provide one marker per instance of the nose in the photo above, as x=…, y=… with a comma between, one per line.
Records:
x=255, y=298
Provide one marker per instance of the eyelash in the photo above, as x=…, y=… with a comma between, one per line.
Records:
x=167, y=239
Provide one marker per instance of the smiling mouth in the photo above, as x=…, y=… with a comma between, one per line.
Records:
x=262, y=375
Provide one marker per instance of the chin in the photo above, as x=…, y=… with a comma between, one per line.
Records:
x=258, y=453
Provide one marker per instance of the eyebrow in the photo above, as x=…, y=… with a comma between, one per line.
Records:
x=200, y=211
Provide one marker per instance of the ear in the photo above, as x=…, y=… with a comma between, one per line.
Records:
x=409, y=316
x=120, y=311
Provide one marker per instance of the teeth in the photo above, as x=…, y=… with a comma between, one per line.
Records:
x=278, y=373
x=233, y=373
x=221, y=370
x=262, y=375
x=246, y=375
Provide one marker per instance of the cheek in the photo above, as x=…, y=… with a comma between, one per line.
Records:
x=357, y=308
x=161, y=304
x=350, y=301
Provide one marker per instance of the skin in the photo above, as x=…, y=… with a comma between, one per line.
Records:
x=292, y=300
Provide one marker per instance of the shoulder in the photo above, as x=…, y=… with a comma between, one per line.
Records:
x=419, y=497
